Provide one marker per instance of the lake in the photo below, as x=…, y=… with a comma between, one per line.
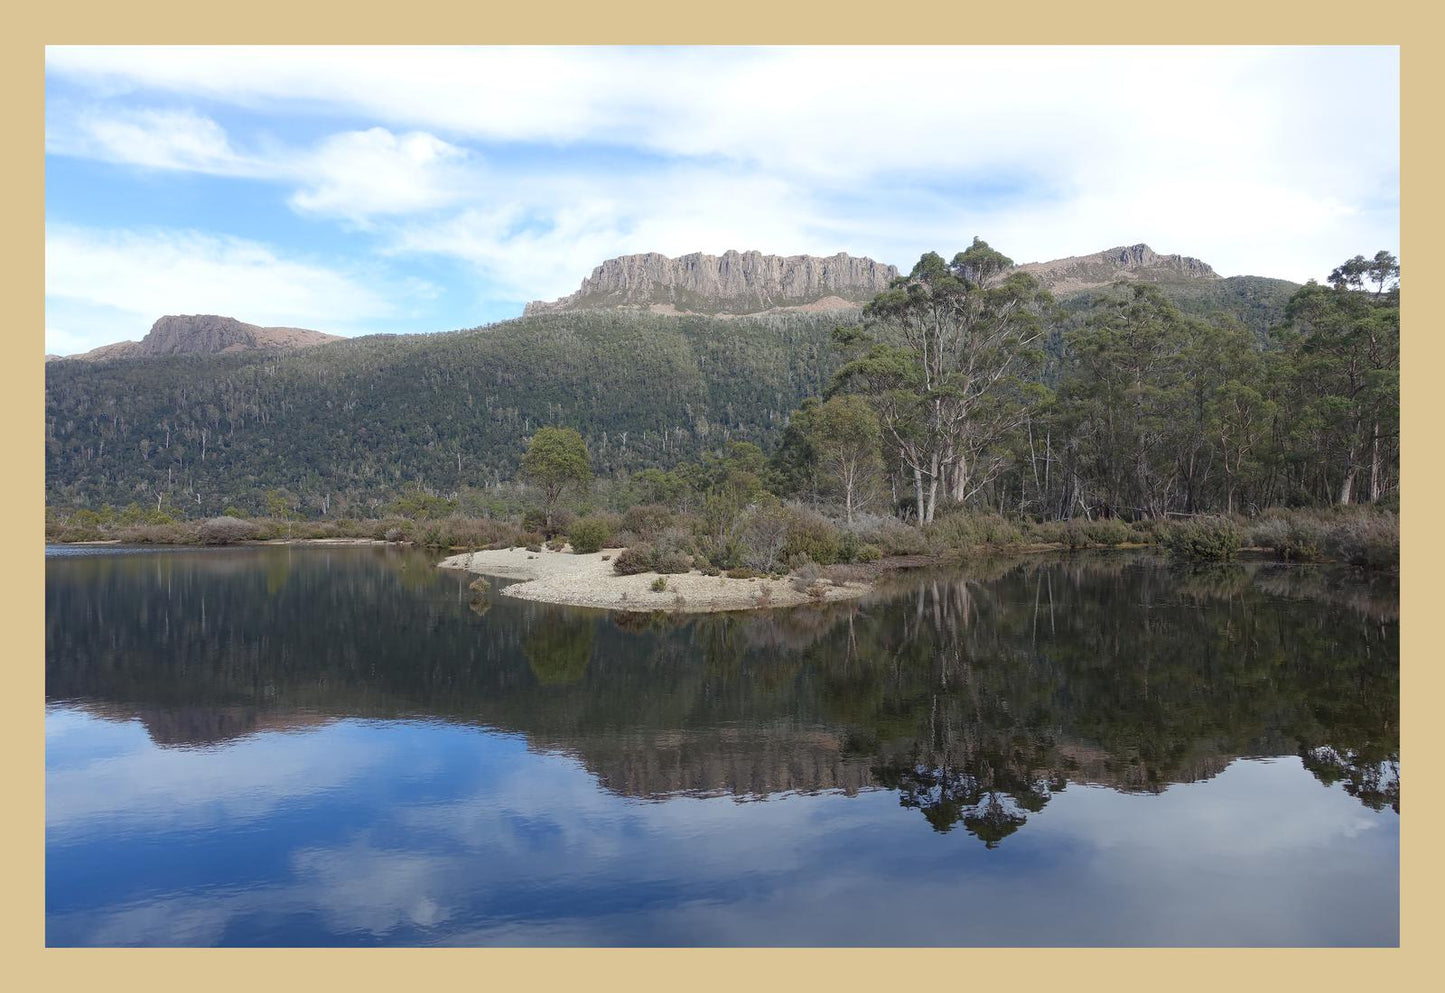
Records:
x=337, y=746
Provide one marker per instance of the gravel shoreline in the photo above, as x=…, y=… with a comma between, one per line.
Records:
x=589, y=581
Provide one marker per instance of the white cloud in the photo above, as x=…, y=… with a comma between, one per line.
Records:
x=357, y=174
x=153, y=138
x=108, y=285
x=1234, y=155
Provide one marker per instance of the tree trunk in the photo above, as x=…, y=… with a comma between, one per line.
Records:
x=918, y=492
x=1375, y=463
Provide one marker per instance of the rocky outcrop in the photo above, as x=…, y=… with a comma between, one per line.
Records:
x=731, y=283
x=1080, y=273
x=205, y=334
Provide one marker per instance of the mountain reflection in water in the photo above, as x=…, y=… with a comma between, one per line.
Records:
x=975, y=694
x=337, y=746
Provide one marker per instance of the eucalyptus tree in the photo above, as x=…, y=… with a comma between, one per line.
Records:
x=945, y=357
x=556, y=461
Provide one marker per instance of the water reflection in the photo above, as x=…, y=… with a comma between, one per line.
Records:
x=293, y=746
x=976, y=694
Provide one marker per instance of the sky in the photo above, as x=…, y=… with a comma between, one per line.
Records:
x=359, y=190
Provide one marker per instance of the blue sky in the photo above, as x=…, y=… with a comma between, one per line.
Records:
x=357, y=190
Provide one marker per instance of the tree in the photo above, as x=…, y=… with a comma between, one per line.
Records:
x=844, y=433
x=949, y=354
x=556, y=459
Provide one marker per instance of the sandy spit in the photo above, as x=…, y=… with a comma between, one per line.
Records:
x=589, y=581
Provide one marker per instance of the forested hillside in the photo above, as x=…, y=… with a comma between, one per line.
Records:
x=350, y=424
x=973, y=386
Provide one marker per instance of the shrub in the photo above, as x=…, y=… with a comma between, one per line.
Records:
x=1371, y=541
x=225, y=530
x=811, y=536
x=1296, y=538
x=1150, y=530
x=557, y=544
x=1106, y=531
x=965, y=530
x=394, y=534
x=659, y=584
x=891, y=535
x=1048, y=532
x=1210, y=539
x=535, y=519
x=631, y=561
x=590, y=534
x=646, y=520
x=534, y=548
x=805, y=576
x=868, y=553
x=673, y=550
x=742, y=572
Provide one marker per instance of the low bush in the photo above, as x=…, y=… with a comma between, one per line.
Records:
x=646, y=520
x=961, y=530
x=557, y=544
x=535, y=519
x=673, y=550
x=890, y=535
x=868, y=553
x=590, y=534
x=811, y=536
x=1208, y=539
x=634, y=560
x=1296, y=538
x=225, y=531
x=659, y=584
x=1106, y=531
x=805, y=576
x=743, y=572
x=1368, y=540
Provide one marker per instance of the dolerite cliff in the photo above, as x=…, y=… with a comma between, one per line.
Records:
x=1080, y=273
x=731, y=283
x=204, y=334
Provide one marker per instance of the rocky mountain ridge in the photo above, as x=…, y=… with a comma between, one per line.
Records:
x=202, y=334
x=1080, y=273
x=731, y=283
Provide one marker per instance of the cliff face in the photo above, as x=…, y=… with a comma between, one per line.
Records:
x=1079, y=273
x=205, y=334
x=731, y=283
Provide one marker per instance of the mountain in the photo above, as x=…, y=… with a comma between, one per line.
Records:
x=202, y=334
x=363, y=419
x=1081, y=273
x=221, y=411
x=731, y=283
x=1079, y=281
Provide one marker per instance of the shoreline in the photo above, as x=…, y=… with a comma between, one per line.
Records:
x=589, y=581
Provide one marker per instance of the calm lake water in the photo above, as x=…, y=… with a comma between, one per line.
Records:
x=333, y=746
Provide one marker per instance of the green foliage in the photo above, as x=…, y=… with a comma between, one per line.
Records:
x=634, y=560
x=647, y=520
x=354, y=424
x=1208, y=539
x=968, y=530
x=556, y=460
x=225, y=531
x=590, y=534
x=810, y=537
x=658, y=585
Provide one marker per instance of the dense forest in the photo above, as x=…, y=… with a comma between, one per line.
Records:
x=969, y=386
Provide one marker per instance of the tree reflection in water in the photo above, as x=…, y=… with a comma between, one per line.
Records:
x=975, y=694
